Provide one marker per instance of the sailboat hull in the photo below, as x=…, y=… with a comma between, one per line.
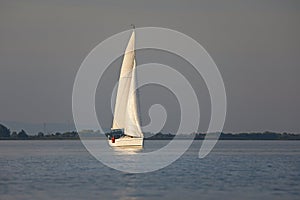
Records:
x=126, y=141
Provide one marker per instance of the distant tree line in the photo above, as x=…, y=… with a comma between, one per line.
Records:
x=267, y=135
x=6, y=134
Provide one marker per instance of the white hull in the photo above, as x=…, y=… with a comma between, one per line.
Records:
x=126, y=141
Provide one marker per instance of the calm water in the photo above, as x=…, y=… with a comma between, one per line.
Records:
x=234, y=170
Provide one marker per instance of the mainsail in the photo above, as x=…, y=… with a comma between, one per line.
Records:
x=126, y=113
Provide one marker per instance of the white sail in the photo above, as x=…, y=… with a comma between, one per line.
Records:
x=123, y=86
x=132, y=123
x=125, y=113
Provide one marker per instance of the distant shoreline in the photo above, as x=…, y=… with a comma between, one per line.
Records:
x=70, y=139
x=6, y=134
x=160, y=136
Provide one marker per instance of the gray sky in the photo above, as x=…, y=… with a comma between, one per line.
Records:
x=255, y=44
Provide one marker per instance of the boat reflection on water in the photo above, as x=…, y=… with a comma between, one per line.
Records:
x=127, y=150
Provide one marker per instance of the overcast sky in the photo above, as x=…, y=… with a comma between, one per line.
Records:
x=255, y=44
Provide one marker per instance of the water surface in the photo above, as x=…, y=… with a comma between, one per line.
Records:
x=233, y=170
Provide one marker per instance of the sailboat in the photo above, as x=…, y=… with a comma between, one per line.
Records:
x=126, y=129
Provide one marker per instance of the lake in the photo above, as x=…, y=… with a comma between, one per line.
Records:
x=233, y=170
